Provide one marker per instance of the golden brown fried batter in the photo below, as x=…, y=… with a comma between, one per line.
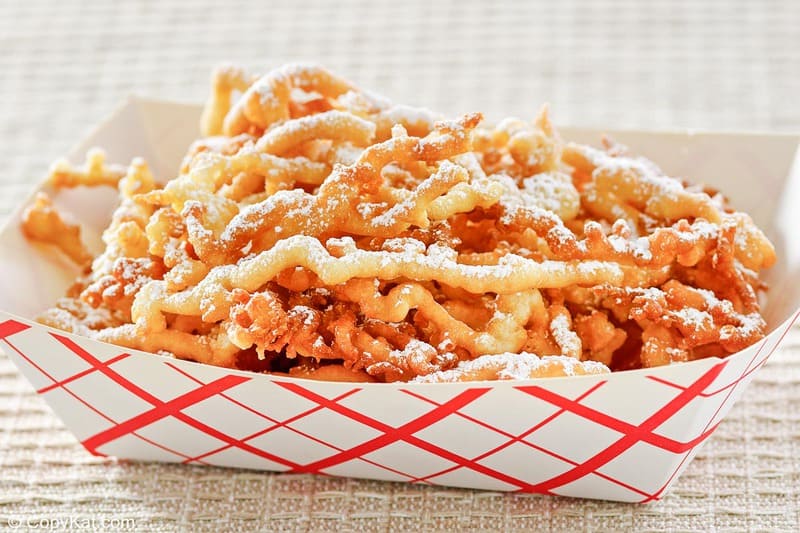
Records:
x=319, y=231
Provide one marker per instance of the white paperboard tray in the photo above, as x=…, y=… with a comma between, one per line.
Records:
x=624, y=436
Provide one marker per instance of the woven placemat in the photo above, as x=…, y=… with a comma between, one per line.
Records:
x=676, y=64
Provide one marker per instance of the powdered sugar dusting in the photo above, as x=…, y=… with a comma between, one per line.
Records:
x=514, y=366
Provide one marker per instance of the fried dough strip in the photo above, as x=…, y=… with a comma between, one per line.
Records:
x=512, y=274
x=335, y=125
x=259, y=319
x=210, y=172
x=211, y=349
x=286, y=213
x=224, y=81
x=643, y=187
x=42, y=222
x=514, y=366
x=267, y=100
x=338, y=373
x=418, y=122
x=680, y=317
x=682, y=242
x=125, y=237
x=504, y=332
x=95, y=172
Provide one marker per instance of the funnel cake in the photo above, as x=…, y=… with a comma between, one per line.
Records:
x=320, y=231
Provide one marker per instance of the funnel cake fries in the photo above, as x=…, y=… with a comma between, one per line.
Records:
x=319, y=231
x=43, y=223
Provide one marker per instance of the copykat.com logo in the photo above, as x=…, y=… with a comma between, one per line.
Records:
x=71, y=523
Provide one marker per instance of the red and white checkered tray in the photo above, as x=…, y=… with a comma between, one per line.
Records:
x=624, y=436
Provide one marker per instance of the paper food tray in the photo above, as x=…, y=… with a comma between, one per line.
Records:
x=625, y=436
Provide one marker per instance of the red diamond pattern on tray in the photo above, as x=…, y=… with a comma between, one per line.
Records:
x=367, y=469
x=270, y=398
x=229, y=417
x=236, y=457
x=82, y=419
x=408, y=459
x=339, y=431
x=163, y=381
x=372, y=402
x=650, y=460
x=146, y=449
x=475, y=439
x=509, y=458
x=594, y=484
x=284, y=442
x=218, y=416
x=549, y=436
x=127, y=405
x=466, y=478
x=513, y=419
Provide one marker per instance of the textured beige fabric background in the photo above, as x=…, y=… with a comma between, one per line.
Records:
x=728, y=64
